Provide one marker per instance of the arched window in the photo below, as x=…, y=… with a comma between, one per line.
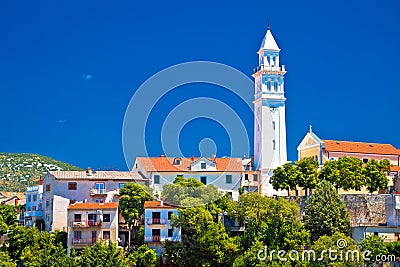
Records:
x=276, y=85
x=269, y=85
x=273, y=144
x=273, y=125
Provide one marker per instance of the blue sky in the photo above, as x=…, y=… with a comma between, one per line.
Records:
x=69, y=68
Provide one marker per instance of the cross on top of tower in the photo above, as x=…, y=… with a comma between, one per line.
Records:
x=269, y=26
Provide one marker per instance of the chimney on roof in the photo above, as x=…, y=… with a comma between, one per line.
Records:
x=162, y=156
x=89, y=171
x=192, y=157
x=161, y=201
x=40, y=181
x=244, y=156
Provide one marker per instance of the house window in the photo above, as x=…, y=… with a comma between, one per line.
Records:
x=77, y=235
x=255, y=177
x=228, y=179
x=77, y=217
x=365, y=160
x=47, y=203
x=34, y=198
x=246, y=177
x=33, y=207
x=106, y=218
x=273, y=125
x=273, y=145
x=156, y=234
x=121, y=185
x=106, y=235
x=170, y=232
x=203, y=165
x=203, y=179
x=170, y=215
x=47, y=187
x=29, y=198
x=72, y=186
x=156, y=179
x=100, y=188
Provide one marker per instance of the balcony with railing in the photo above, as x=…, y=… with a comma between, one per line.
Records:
x=152, y=238
x=97, y=191
x=157, y=221
x=268, y=69
x=33, y=213
x=84, y=241
x=85, y=223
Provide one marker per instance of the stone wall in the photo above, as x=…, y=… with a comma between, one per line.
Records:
x=364, y=209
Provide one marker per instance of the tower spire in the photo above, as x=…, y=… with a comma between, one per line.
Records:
x=269, y=26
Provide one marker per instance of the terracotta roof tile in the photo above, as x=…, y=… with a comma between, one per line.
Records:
x=395, y=168
x=98, y=175
x=157, y=205
x=165, y=164
x=360, y=147
x=93, y=206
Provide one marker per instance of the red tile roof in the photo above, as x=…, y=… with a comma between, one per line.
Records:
x=165, y=164
x=157, y=205
x=93, y=206
x=395, y=168
x=360, y=147
x=98, y=175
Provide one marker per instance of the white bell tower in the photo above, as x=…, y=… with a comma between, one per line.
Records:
x=269, y=107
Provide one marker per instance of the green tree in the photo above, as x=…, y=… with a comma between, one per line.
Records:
x=345, y=172
x=101, y=254
x=143, y=257
x=19, y=238
x=190, y=192
x=343, y=252
x=5, y=260
x=375, y=176
x=216, y=248
x=204, y=242
x=285, y=177
x=325, y=213
x=9, y=214
x=375, y=245
x=3, y=226
x=307, y=173
x=131, y=202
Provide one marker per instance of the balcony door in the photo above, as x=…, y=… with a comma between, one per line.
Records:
x=94, y=236
x=156, y=235
x=92, y=217
x=156, y=217
x=100, y=188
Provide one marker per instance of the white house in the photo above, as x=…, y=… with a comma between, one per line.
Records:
x=89, y=223
x=225, y=173
x=157, y=226
x=62, y=188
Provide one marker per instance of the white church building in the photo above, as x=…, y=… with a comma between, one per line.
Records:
x=269, y=108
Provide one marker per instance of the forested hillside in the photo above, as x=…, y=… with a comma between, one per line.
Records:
x=17, y=171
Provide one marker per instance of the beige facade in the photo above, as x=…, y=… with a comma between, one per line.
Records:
x=89, y=223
